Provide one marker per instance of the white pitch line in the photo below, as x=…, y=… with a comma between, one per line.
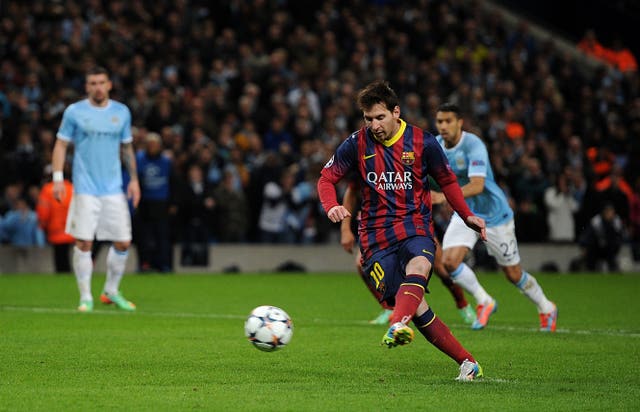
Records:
x=30, y=309
x=119, y=313
x=602, y=332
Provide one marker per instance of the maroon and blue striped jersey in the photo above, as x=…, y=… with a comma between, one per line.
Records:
x=394, y=184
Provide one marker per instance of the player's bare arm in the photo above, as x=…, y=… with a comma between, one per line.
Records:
x=129, y=162
x=474, y=187
x=58, y=159
x=437, y=197
x=347, y=238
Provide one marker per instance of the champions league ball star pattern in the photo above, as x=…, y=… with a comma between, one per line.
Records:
x=268, y=328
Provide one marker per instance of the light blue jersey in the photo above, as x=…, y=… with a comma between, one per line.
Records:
x=97, y=133
x=470, y=158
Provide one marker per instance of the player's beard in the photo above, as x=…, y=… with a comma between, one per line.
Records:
x=98, y=99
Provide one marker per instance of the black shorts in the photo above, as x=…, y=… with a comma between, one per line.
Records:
x=386, y=268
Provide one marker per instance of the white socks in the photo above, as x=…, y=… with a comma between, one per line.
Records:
x=83, y=268
x=466, y=278
x=529, y=287
x=116, y=262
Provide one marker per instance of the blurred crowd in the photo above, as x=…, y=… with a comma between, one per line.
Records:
x=239, y=104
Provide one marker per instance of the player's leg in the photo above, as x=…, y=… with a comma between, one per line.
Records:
x=440, y=336
x=82, y=220
x=409, y=296
x=458, y=240
x=466, y=277
x=504, y=247
x=383, y=317
x=417, y=252
x=466, y=311
x=115, y=225
x=410, y=272
x=83, y=270
x=386, y=278
x=116, y=264
x=529, y=286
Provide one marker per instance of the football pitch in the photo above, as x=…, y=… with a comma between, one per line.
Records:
x=184, y=348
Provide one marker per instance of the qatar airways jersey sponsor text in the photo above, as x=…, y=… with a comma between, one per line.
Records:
x=392, y=180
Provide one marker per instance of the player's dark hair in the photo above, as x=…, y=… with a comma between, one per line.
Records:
x=97, y=70
x=450, y=108
x=377, y=92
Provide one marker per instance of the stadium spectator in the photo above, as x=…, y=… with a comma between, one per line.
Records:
x=157, y=203
x=590, y=45
x=285, y=208
x=232, y=214
x=52, y=217
x=195, y=205
x=19, y=226
x=575, y=156
x=561, y=205
x=10, y=197
x=614, y=189
x=601, y=240
x=529, y=195
x=278, y=138
x=622, y=58
x=618, y=56
x=390, y=156
x=25, y=163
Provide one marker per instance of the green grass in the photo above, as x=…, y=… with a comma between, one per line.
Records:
x=185, y=350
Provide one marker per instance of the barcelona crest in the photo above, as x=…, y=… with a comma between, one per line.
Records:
x=408, y=158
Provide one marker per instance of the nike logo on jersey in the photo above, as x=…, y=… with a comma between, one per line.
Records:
x=426, y=252
x=365, y=157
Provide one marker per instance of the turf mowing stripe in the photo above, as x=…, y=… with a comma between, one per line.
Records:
x=619, y=333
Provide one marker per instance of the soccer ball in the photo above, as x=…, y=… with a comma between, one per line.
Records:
x=268, y=328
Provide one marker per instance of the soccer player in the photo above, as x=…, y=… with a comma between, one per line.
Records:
x=98, y=127
x=469, y=160
x=348, y=241
x=392, y=160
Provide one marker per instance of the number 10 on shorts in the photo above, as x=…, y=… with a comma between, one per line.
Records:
x=377, y=273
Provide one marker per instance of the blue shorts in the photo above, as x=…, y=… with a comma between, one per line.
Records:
x=386, y=268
